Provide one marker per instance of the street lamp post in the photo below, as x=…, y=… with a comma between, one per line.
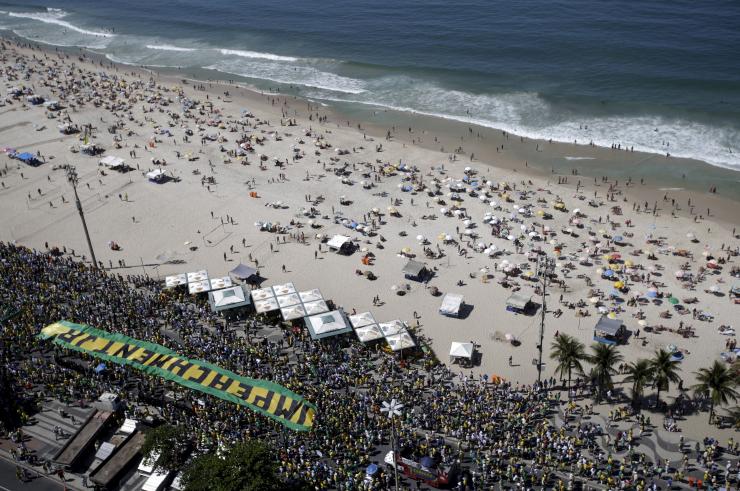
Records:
x=73, y=180
x=545, y=266
x=393, y=409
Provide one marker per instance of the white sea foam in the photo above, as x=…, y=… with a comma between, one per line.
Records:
x=579, y=158
x=168, y=47
x=529, y=115
x=306, y=76
x=55, y=17
x=256, y=54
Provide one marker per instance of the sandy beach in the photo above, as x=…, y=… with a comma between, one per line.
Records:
x=308, y=159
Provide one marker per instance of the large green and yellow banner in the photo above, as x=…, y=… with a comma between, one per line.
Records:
x=262, y=396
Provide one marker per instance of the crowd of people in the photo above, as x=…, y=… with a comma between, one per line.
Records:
x=492, y=432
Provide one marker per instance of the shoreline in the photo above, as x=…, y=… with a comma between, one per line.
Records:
x=530, y=157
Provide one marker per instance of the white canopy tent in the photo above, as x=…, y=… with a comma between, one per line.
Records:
x=316, y=307
x=197, y=276
x=112, y=162
x=391, y=328
x=156, y=175
x=369, y=333
x=311, y=295
x=451, y=304
x=262, y=294
x=461, y=350
x=362, y=319
x=400, y=341
x=267, y=305
x=218, y=283
x=175, y=280
x=284, y=289
x=288, y=300
x=293, y=312
x=339, y=243
x=199, y=287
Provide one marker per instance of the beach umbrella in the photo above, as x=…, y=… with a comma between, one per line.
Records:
x=553, y=242
x=511, y=237
x=618, y=238
x=690, y=236
x=482, y=198
x=608, y=273
x=612, y=315
x=406, y=250
x=673, y=300
x=705, y=253
x=540, y=213
x=599, y=271
x=642, y=322
x=714, y=288
x=619, y=285
x=594, y=300
x=679, y=274
x=523, y=227
x=467, y=223
x=420, y=237
x=448, y=237
x=547, y=228
x=493, y=204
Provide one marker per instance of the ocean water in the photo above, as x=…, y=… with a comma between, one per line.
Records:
x=661, y=76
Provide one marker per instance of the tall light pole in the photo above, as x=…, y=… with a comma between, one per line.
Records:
x=73, y=180
x=393, y=409
x=544, y=268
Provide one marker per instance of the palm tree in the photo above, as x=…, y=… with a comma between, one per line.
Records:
x=717, y=382
x=665, y=370
x=639, y=373
x=604, y=359
x=570, y=353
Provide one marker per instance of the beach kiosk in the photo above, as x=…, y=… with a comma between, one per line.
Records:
x=451, y=305
x=609, y=331
x=518, y=303
x=340, y=244
x=415, y=270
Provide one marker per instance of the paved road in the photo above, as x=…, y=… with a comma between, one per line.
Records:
x=8, y=481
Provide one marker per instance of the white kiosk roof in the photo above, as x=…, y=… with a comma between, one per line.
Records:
x=311, y=295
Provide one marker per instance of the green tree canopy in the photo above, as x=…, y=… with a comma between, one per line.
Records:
x=665, y=371
x=639, y=374
x=604, y=359
x=170, y=443
x=248, y=466
x=718, y=382
x=570, y=354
